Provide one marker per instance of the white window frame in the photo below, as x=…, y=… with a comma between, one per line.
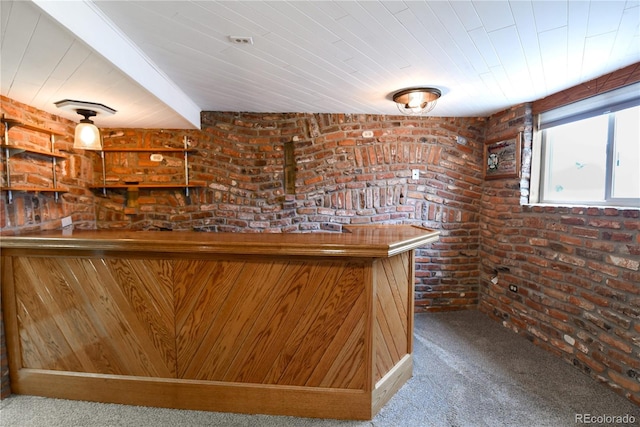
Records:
x=608, y=102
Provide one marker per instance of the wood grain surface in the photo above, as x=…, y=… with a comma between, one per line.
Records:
x=96, y=315
x=393, y=286
x=277, y=322
x=325, y=336
x=356, y=241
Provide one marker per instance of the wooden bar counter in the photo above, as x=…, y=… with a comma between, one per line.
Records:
x=311, y=325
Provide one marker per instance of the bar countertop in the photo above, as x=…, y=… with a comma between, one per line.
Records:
x=357, y=241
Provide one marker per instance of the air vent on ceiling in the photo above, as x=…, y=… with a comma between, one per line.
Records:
x=241, y=40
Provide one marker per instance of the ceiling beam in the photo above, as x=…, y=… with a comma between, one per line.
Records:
x=85, y=20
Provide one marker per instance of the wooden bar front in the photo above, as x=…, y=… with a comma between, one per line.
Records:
x=311, y=325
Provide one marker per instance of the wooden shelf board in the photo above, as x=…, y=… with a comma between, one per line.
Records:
x=194, y=184
x=14, y=122
x=33, y=189
x=18, y=150
x=148, y=150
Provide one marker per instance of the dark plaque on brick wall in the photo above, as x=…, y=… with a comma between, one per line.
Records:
x=502, y=158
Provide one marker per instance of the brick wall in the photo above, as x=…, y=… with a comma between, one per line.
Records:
x=577, y=272
x=40, y=211
x=341, y=177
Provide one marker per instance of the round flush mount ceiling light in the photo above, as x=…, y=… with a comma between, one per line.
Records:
x=416, y=101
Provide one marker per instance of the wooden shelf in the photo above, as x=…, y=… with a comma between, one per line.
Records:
x=32, y=189
x=13, y=122
x=13, y=150
x=149, y=150
x=8, y=150
x=193, y=184
x=134, y=187
x=131, y=206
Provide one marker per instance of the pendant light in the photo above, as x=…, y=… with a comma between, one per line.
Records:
x=87, y=134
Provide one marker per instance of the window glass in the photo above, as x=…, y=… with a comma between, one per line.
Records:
x=588, y=152
x=576, y=161
x=626, y=153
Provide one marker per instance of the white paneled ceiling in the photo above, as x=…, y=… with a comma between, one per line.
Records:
x=159, y=63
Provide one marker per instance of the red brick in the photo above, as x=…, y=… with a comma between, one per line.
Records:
x=561, y=345
x=572, y=240
x=572, y=220
x=614, y=342
x=601, y=223
x=590, y=233
x=611, y=271
x=625, y=382
x=600, y=245
x=596, y=299
x=581, y=303
x=595, y=366
x=617, y=237
x=630, y=264
x=633, y=288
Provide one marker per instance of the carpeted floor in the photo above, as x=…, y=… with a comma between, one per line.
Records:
x=469, y=371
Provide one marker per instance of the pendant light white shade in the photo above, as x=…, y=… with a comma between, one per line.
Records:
x=87, y=137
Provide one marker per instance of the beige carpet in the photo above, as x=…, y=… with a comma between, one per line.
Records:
x=469, y=371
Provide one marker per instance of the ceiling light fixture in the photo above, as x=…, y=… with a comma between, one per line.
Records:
x=87, y=135
x=416, y=101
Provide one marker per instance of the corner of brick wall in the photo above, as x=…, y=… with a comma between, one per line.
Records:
x=577, y=273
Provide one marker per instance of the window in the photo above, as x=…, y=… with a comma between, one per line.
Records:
x=589, y=152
